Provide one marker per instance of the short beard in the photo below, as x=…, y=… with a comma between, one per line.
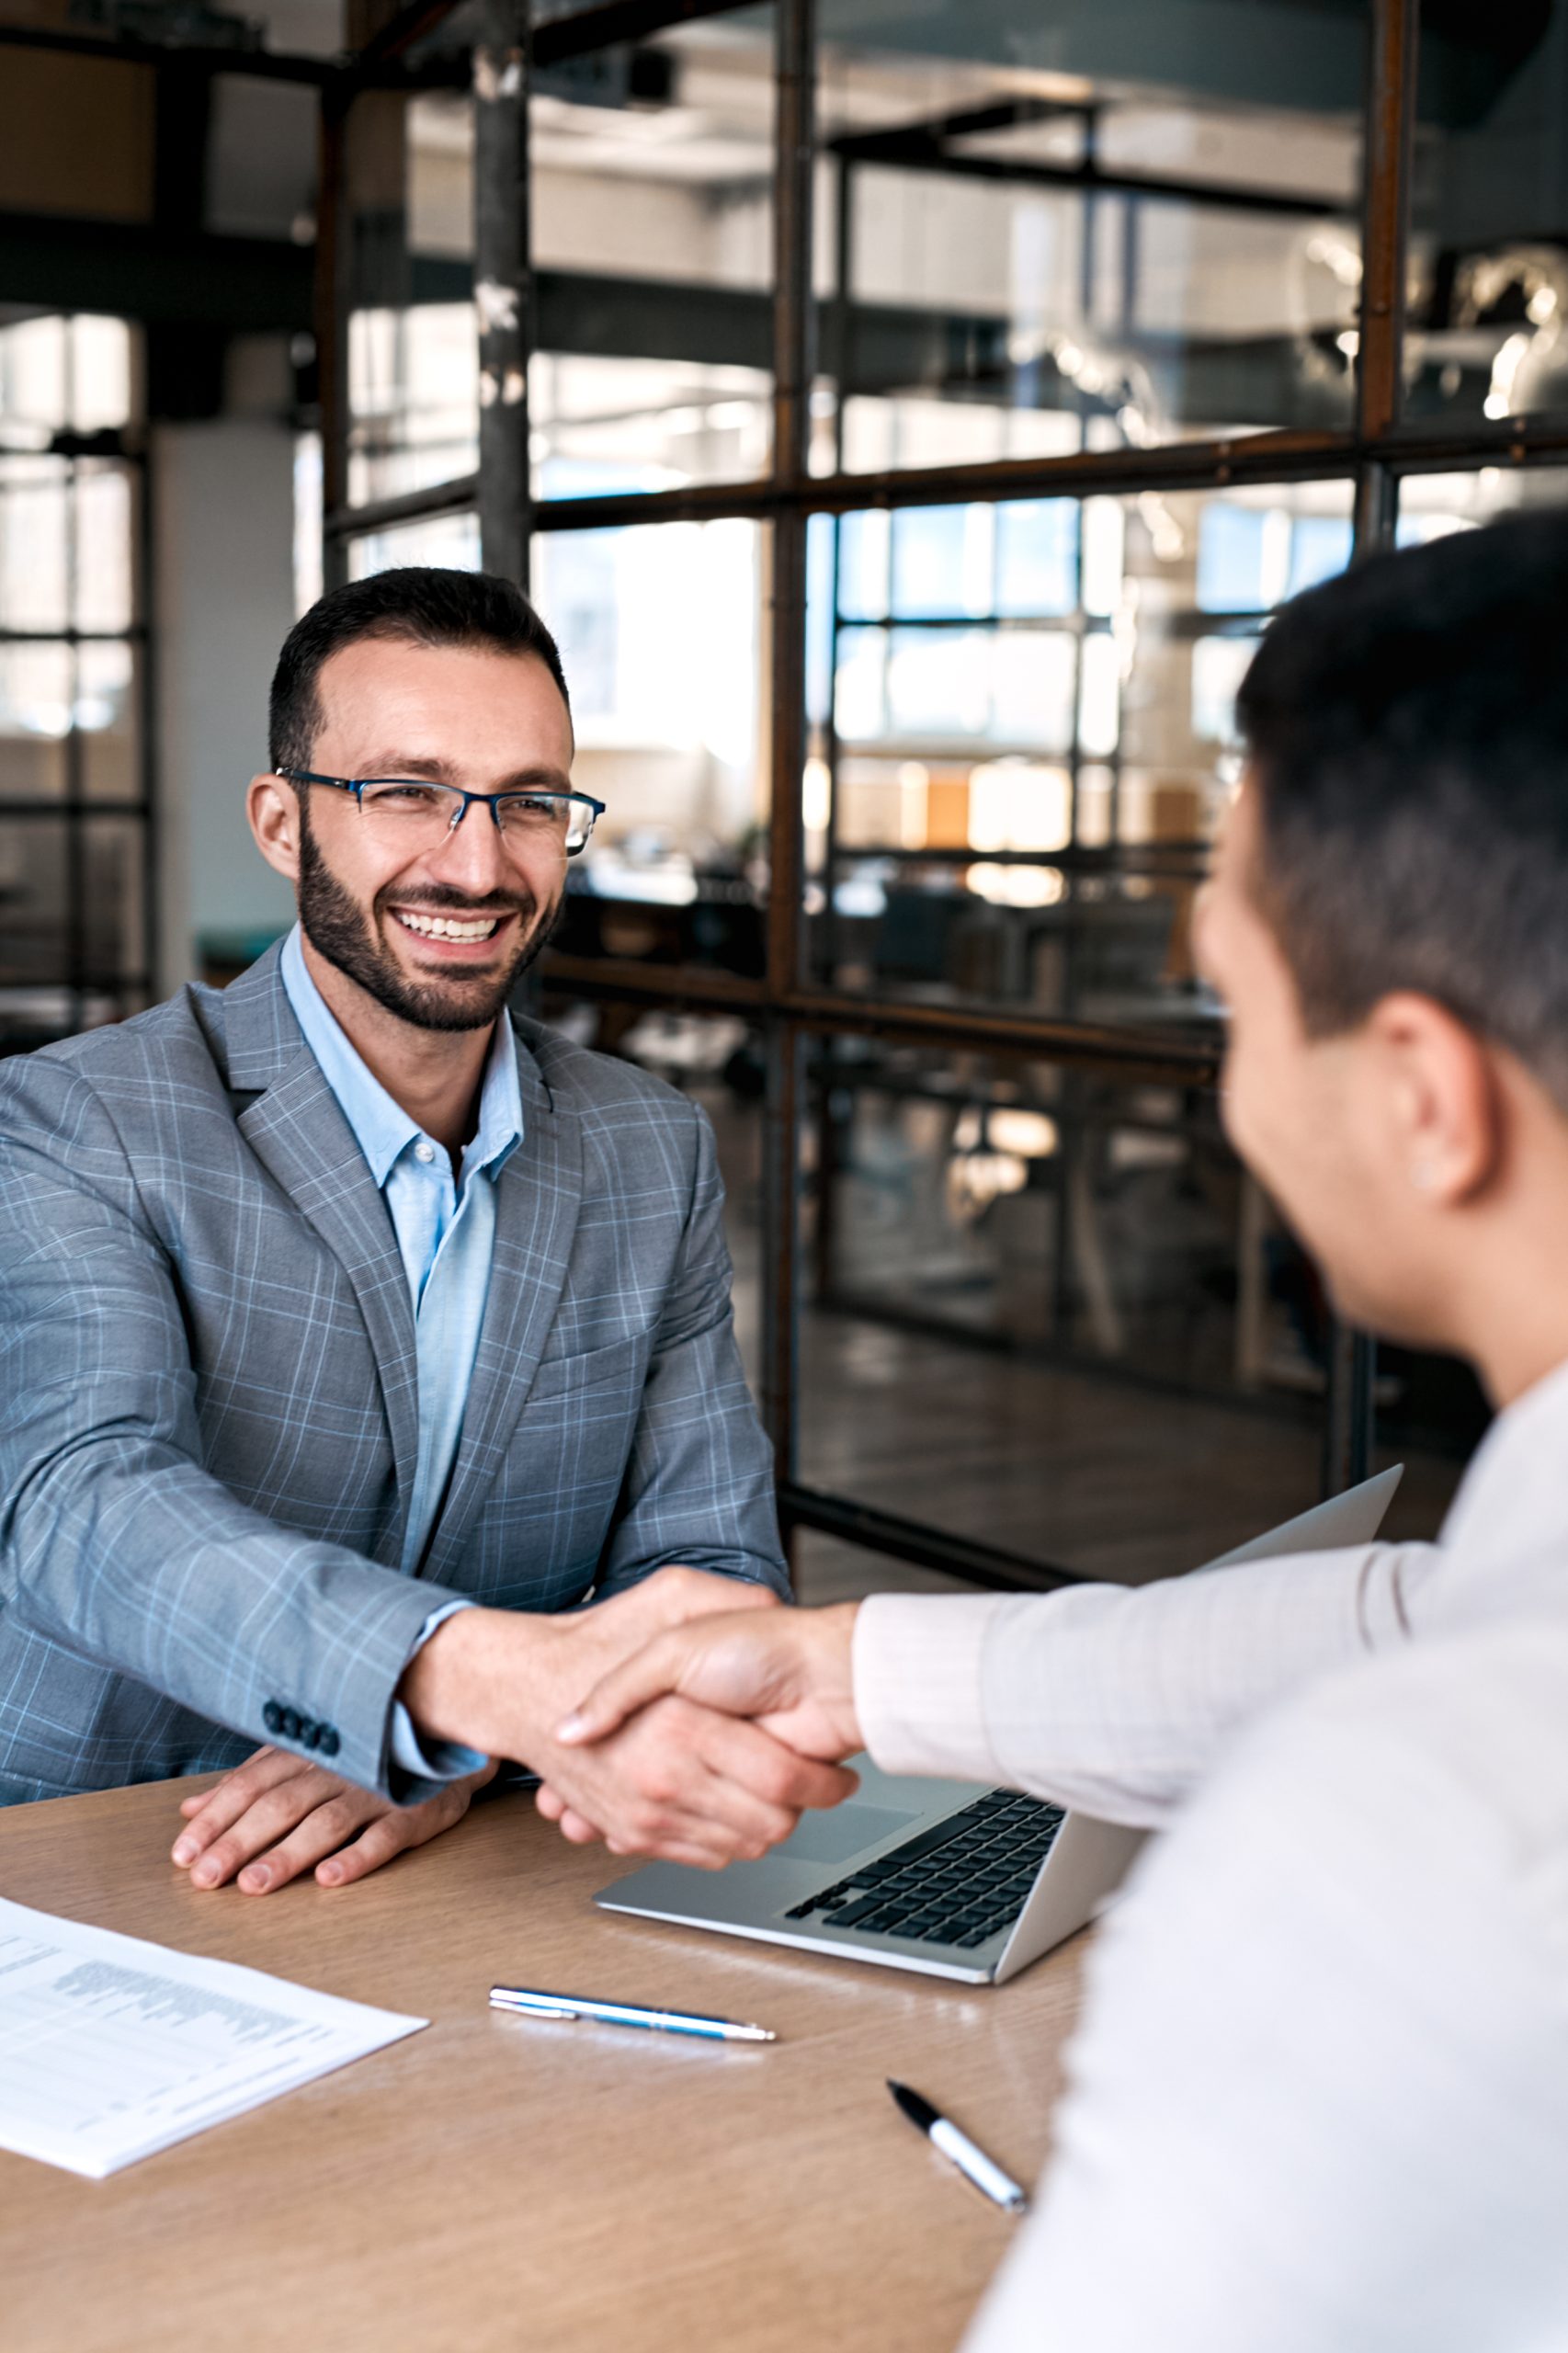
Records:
x=339, y=930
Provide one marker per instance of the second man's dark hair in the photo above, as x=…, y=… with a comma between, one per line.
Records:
x=419, y=604
x=1407, y=725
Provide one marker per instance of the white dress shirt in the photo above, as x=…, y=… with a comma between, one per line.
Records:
x=1319, y=2102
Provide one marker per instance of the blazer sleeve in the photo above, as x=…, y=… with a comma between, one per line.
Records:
x=114, y=1541
x=1119, y=1699
x=698, y=1487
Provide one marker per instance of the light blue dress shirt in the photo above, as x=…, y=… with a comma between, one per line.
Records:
x=446, y=1233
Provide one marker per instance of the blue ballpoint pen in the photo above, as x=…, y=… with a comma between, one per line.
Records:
x=529, y=2004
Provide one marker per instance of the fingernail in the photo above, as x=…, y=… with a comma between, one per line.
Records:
x=184, y=1848
x=330, y=1873
x=571, y=1728
x=255, y=1875
x=205, y=1872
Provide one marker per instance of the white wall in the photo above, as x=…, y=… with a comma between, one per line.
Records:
x=223, y=534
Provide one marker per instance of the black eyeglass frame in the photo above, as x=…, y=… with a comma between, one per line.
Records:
x=491, y=801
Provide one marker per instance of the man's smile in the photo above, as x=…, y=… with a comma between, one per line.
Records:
x=464, y=929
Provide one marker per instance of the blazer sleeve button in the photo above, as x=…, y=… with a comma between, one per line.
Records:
x=330, y=1743
x=272, y=1716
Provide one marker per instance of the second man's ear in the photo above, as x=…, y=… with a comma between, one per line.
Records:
x=272, y=806
x=1442, y=1098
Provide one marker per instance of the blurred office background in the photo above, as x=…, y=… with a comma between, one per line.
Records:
x=909, y=412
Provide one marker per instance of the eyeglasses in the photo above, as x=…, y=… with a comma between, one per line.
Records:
x=420, y=814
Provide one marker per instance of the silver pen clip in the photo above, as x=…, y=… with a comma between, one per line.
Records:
x=499, y=2001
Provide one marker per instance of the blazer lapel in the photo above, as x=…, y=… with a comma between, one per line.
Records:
x=298, y=1132
x=538, y=1197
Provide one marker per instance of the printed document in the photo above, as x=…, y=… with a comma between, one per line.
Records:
x=110, y=2048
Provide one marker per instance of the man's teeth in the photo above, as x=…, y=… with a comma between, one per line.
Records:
x=448, y=927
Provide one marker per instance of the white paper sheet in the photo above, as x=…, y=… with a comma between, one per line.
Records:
x=111, y=2048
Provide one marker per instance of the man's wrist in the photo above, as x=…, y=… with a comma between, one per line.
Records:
x=476, y=1681
x=832, y=1638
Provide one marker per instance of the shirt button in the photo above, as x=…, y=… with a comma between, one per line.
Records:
x=425, y=1151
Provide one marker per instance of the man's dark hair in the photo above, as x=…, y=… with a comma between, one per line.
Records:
x=418, y=604
x=1408, y=730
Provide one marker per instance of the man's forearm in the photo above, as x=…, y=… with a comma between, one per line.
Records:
x=1116, y=1699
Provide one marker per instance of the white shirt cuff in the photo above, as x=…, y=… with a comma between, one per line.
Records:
x=916, y=1664
x=414, y=1760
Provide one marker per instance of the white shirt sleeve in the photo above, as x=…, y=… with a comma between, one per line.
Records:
x=1117, y=1700
x=1319, y=2098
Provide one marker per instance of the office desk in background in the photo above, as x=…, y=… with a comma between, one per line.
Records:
x=500, y=2183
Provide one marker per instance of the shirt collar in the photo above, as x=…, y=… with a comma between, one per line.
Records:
x=382, y=1128
x=1514, y=1493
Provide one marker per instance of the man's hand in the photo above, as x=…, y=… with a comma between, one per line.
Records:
x=682, y=1782
x=275, y=1816
x=789, y=1670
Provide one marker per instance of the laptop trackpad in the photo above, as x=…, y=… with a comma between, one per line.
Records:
x=833, y=1838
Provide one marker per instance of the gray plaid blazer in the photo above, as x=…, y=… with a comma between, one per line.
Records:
x=208, y=1410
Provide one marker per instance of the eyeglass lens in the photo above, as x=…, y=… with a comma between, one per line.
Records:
x=434, y=808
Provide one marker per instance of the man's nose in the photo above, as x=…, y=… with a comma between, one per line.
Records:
x=472, y=856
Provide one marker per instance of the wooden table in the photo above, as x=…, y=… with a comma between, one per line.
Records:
x=499, y=2182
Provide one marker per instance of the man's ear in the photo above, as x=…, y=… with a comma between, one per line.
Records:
x=1442, y=1112
x=273, y=807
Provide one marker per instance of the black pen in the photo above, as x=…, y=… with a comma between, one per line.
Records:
x=959, y=2150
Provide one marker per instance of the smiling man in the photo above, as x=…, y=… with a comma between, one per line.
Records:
x=355, y=1332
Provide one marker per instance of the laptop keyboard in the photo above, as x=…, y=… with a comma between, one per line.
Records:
x=957, y=1884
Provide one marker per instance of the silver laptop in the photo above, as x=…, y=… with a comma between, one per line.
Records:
x=953, y=1879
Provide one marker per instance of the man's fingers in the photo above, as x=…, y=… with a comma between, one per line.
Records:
x=646, y=1676
x=216, y=1809
x=579, y=1829
x=336, y=1809
x=707, y=1780
x=742, y=1752
x=565, y=1817
x=323, y=1832
x=392, y=1834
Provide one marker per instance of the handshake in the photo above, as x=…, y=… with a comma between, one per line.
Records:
x=692, y=1718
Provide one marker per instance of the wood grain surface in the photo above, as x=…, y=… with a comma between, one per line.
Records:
x=498, y=2182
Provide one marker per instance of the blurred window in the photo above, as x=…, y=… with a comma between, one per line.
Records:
x=73, y=810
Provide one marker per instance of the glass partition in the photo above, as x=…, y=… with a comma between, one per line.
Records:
x=1041, y=1305
x=74, y=945
x=1487, y=333
x=661, y=630
x=1049, y=1310
x=650, y=218
x=1045, y=246
x=1023, y=735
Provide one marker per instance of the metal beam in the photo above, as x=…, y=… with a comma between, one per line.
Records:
x=264, y=64
x=1142, y=1055
x=399, y=35
x=502, y=283
x=380, y=64
x=794, y=352
x=1349, y=1407
x=579, y=33
x=136, y=270
x=329, y=302
x=925, y=1548
x=1385, y=213
x=1259, y=458
x=915, y=151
